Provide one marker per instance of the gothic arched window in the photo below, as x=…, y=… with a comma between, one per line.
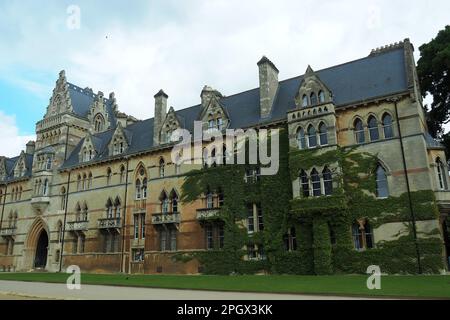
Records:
x=387, y=126
x=381, y=181
x=301, y=139
x=209, y=200
x=359, y=131
x=117, y=206
x=358, y=240
x=138, y=189
x=441, y=174
x=315, y=181
x=108, y=176
x=45, y=189
x=321, y=97
x=122, y=174
x=304, y=184
x=164, y=203
x=99, y=123
x=174, y=200
x=144, y=188
x=323, y=134
x=109, y=209
x=305, y=101
x=373, y=129
x=313, y=98
x=312, y=137
x=327, y=181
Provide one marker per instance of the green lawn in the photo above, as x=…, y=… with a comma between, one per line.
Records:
x=396, y=286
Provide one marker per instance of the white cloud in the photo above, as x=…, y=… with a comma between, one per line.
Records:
x=137, y=49
x=11, y=142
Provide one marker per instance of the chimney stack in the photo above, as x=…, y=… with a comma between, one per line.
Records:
x=268, y=85
x=31, y=146
x=160, y=115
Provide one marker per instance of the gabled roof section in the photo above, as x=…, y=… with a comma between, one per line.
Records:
x=213, y=103
x=83, y=99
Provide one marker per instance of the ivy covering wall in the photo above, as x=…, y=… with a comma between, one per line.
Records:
x=315, y=219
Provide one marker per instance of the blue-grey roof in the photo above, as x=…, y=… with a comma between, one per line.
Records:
x=364, y=79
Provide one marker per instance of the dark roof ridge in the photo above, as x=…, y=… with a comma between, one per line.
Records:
x=84, y=91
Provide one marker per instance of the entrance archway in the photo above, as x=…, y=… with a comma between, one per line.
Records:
x=40, y=258
x=36, y=245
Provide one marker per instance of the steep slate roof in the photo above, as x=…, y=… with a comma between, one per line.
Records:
x=364, y=79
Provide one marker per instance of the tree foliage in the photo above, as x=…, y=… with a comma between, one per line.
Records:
x=433, y=70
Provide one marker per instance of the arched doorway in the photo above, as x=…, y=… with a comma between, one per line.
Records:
x=40, y=259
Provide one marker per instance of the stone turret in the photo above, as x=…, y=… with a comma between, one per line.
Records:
x=31, y=145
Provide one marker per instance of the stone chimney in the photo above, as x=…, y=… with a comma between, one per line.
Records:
x=268, y=85
x=31, y=146
x=207, y=94
x=160, y=115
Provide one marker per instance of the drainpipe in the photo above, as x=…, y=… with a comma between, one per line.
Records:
x=3, y=205
x=411, y=209
x=122, y=264
x=64, y=223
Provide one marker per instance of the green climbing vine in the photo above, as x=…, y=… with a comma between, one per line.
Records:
x=354, y=198
x=322, y=224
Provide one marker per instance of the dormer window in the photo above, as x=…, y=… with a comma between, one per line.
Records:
x=20, y=169
x=219, y=123
x=99, y=123
x=211, y=124
x=118, y=146
x=88, y=154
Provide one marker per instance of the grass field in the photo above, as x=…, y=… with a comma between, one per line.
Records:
x=434, y=286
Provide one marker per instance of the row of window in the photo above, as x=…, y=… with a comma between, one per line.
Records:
x=313, y=99
x=41, y=187
x=88, y=154
x=216, y=123
x=362, y=236
x=312, y=138
x=84, y=182
x=316, y=185
x=16, y=194
x=44, y=162
x=373, y=128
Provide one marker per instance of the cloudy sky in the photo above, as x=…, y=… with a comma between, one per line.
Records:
x=135, y=48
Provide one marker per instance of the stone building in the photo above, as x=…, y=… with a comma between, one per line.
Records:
x=99, y=189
